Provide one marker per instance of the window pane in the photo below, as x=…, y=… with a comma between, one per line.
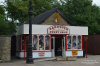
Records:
x=69, y=42
x=79, y=42
x=74, y=46
x=41, y=42
x=35, y=42
x=47, y=42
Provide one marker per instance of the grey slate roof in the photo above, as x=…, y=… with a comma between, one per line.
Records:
x=42, y=17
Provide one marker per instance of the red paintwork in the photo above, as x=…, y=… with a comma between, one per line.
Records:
x=50, y=42
x=82, y=42
x=86, y=48
x=66, y=42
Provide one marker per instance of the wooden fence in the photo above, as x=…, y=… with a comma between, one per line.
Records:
x=94, y=44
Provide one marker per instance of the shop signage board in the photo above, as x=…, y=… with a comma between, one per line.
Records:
x=74, y=52
x=41, y=54
x=58, y=29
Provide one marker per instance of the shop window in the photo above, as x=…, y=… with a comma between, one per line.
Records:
x=69, y=42
x=35, y=42
x=79, y=42
x=41, y=42
x=74, y=44
x=47, y=42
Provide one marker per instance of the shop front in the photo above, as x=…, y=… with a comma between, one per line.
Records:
x=52, y=36
x=50, y=41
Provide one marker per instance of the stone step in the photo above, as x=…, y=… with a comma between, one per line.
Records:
x=71, y=58
x=44, y=59
x=60, y=59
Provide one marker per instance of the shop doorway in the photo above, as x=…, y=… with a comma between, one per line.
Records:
x=58, y=46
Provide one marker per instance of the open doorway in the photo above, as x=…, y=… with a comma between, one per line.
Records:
x=58, y=46
x=13, y=47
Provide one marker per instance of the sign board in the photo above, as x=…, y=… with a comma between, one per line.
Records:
x=41, y=54
x=74, y=53
x=58, y=29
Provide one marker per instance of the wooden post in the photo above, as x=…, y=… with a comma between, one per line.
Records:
x=66, y=42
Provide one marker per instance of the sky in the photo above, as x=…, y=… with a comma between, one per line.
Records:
x=97, y=2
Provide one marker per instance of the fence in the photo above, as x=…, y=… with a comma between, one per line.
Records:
x=94, y=44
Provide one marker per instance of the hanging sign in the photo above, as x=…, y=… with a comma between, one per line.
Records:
x=58, y=29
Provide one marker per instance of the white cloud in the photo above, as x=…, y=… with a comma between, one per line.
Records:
x=97, y=2
x=1, y=2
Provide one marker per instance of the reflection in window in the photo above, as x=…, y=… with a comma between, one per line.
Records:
x=69, y=42
x=74, y=46
x=79, y=42
x=35, y=42
x=41, y=42
x=47, y=42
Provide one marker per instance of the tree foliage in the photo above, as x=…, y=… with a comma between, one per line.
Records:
x=6, y=28
x=18, y=9
x=80, y=12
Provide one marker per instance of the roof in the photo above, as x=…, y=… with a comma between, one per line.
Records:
x=42, y=17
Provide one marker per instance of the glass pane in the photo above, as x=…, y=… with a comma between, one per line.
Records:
x=47, y=42
x=69, y=42
x=79, y=42
x=74, y=46
x=41, y=42
x=35, y=42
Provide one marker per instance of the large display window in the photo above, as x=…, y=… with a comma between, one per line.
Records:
x=41, y=42
x=35, y=42
x=47, y=42
x=74, y=42
x=79, y=41
x=69, y=42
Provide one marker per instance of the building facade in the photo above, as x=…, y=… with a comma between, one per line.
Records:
x=52, y=35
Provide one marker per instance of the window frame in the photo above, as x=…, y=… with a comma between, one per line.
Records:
x=44, y=36
x=76, y=42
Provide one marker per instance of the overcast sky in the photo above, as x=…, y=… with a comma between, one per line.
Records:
x=97, y=2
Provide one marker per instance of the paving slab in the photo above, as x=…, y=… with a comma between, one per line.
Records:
x=92, y=60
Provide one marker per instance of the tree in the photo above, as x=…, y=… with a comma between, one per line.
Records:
x=6, y=28
x=80, y=12
x=18, y=9
x=83, y=13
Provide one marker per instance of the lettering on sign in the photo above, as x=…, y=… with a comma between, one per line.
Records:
x=57, y=29
x=41, y=53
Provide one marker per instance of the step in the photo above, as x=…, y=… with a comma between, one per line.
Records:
x=44, y=59
x=71, y=58
x=60, y=59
